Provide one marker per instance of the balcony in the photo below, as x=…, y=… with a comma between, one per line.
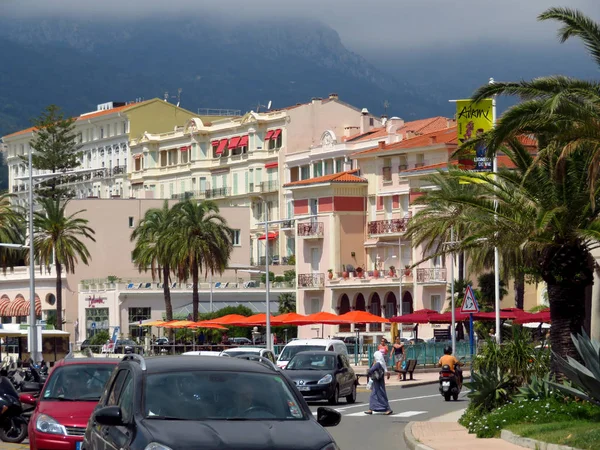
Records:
x=389, y=226
x=402, y=167
x=286, y=225
x=269, y=186
x=217, y=192
x=117, y=170
x=311, y=280
x=434, y=275
x=419, y=164
x=184, y=196
x=311, y=230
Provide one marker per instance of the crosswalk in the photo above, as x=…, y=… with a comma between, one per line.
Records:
x=403, y=414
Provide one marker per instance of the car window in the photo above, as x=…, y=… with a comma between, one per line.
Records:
x=211, y=395
x=271, y=356
x=290, y=350
x=311, y=361
x=340, y=362
x=78, y=382
x=113, y=397
x=126, y=399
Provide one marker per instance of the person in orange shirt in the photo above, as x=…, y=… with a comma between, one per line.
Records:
x=450, y=360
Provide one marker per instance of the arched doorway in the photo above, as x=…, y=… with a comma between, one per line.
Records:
x=407, y=303
x=344, y=307
x=375, y=309
x=391, y=306
x=360, y=305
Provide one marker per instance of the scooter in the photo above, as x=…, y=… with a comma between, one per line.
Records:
x=13, y=426
x=450, y=384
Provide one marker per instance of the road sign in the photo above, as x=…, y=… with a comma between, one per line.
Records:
x=469, y=304
x=93, y=325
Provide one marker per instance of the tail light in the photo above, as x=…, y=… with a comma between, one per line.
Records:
x=447, y=374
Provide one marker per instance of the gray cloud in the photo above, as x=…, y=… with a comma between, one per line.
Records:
x=362, y=24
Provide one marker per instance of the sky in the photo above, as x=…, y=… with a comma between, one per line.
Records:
x=362, y=24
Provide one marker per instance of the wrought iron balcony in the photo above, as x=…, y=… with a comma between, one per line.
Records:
x=285, y=225
x=311, y=280
x=185, y=196
x=311, y=229
x=269, y=186
x=118, y=170
x=218, y=192
x=403, y=167
x=435, y=275
x=389, y=226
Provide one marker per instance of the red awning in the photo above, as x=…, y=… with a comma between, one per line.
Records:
x=214, y=143
x=233, y=142
x=272, y=235
x=222, y=145
x=276, y=133
x=185, y=148
x=243, y=141
x=269, y=135
x=271, y=165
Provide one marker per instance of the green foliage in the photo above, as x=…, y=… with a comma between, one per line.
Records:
x=113, y=279
x=490, y=389
x=287, y=303
x=263, y=277
x=292, y=260
x=99, y=338
x=279, y=279
x=231, y=331
x=537, y=389
x=548, y=410
x=289, y=276
x=487, y=296
x=56, y=150
x=12, y=230
x=586, y=378
x=460, y=287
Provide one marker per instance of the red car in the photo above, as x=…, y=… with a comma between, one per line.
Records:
x=66, y=403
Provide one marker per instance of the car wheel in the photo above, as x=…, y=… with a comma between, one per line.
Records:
x=335, y=398
x=352, y=397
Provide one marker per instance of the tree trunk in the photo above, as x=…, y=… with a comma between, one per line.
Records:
x=167, y=294
x=461, y=265
x=59, y=318
x=519, y=290
x=195, y=296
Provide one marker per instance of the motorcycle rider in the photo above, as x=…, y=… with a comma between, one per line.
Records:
x=449, y=359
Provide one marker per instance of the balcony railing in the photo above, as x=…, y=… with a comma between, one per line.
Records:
x=387, y=226
x=403, y=167
x=311, y=280
x=218, y=192
x=431, y=275
x=287, y=224
x=184, y=196
x=118, y=170
x=269, y=186
x=311, y=229
x=419, y=164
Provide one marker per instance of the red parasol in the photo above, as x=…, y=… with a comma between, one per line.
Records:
x=419, y=316
x=505, y=314
x=255, y=320
x=363, y=317
x=228, y=319
x=447, y=317
x=541, y=316
x=287, y=319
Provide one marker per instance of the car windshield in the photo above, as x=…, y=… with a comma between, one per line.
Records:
x=311, y=361
x=78, y=382
x=290, y=351
x=211, y=395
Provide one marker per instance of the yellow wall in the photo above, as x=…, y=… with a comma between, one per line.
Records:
x=156, y=116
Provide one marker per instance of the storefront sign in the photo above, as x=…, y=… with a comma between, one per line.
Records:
x=93, y=301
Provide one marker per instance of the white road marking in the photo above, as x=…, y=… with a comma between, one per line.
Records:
x=402, y=414
x=362, y=405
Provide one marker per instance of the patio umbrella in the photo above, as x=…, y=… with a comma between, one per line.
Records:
x=178, y=324
x=255, y=320
x=505, y=314
x=538, y=317
x=447, y=317
x=419, y=316
x=229, y=319
x=207, y=324
x=323, y=318
x=152, y=323
x=363, y=317
x=287, y=319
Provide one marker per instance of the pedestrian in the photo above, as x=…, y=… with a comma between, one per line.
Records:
x=383, y=348
x=201, y=338
x=398, y=355
x=378, y=400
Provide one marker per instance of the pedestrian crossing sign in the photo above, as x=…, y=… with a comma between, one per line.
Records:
x=469, y=304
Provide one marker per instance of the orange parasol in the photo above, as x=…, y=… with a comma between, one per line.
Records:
x=287, y=319
x=322, y=318
x=154, y=323
x=363, y=317
x=227, y=320
x=178, y=324
x=255, y=320
x=207, y=324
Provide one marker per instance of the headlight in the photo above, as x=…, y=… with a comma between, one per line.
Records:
x=156, y=446
x=47, y=424
x=331, y=446
x=326, y=379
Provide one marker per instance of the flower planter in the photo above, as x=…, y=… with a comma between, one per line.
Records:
x=407, y=272
x=345, y=275
x=330, y=276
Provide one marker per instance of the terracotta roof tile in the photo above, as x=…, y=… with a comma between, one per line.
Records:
x=420, y=126
x=445, y=136
x=503, y=162
x=341, y=177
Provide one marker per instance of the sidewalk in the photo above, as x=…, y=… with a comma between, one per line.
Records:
x=444, y=433
x=421, y=377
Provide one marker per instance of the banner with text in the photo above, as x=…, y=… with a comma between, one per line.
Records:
x=472, y=120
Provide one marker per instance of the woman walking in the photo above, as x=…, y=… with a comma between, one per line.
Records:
x=398, y=349
x=378, y=400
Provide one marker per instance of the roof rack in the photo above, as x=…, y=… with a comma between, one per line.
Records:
x=70, y=355
x=136, y=357
x=260, y=359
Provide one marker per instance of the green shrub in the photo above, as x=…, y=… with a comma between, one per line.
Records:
x=538, y=389
x=99, y=338
x=490, y=389
x=279, y=279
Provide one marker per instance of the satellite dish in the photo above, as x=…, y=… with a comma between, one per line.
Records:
x=269, y=105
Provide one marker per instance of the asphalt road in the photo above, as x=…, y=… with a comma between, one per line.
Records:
x=358, y=430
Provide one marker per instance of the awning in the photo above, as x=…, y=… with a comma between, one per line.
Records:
x=269, y=135
x=276, y=133
x=222, y=145
x=186, y=148
x=369, y=243
x=271, y=165
x=233, y=142
x=243, y=141
x=214, y=143
x=272, y=235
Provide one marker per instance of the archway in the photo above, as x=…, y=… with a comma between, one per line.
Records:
x=407, y=303
x=344, y=307
x=360, y=305
x=375, y=309
x=391, y=306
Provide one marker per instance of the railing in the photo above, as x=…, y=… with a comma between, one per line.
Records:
x=286, y=224
x=387, y=174
x=218, y=192
x=387, y=226
x=311, y=280
x=419, y=164
x=403, y=167
x=219, y=112
x=269, y=186
x=184, y=196
x=311, y=229
x=431, y=275
x=118, y=170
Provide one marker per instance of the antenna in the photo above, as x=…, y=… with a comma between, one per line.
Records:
x=386, y=105
x=166, y=95
x=269, y=105
x=179, y=91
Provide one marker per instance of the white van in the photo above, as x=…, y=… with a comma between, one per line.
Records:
x=307, y=345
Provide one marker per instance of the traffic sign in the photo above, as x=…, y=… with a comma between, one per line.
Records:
x=469, y=304
x=93, y=325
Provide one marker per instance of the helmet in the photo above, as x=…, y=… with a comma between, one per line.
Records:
x=447, y=350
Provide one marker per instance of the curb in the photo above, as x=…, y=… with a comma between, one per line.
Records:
x=513, y=438
x=410, y=440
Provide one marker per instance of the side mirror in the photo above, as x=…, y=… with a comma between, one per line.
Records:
x=328, y=417
x=109, y=415
x=28, y=399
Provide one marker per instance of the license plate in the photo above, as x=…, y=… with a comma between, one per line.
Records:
x=78, y=446
x=303, y=388
x=445, y=383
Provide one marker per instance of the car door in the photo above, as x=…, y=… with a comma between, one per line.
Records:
x=99, y=432
x=119, y=437
x=350, y=376
x=340, y=374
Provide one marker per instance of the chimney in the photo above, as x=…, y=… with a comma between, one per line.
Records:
x=349, y=131
x=333, y=96
x=394, y=124
x=450, y=123
x=364, y=120
x=410, y=134
x=381, y=145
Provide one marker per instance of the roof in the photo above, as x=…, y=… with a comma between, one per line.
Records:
x=445, y=136
x=420, y=126
x=503, y=162
x=340, y=177
x=185, y=363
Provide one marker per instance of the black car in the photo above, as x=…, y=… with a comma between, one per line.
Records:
x=178, y=402
x=126, y=346
x=321, y=375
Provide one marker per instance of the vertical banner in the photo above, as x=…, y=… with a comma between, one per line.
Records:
x=472, y=120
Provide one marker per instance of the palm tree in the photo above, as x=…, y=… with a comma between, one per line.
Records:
x=11, y=232
x=151, y=250
x=57, y=239
x=549, y=217
x=201, y=243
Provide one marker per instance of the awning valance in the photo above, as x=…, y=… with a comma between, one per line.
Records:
x=272, y=235
x=221, y=147
x=271, y=165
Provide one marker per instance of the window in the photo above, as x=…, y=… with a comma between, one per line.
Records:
x=371, y=121
x=96, y=320
x=138, y=164
x=124, y=127
x=317, y=169
x=236, y=238
x=291, y=246
x=315, y=305
x=101, y=132
x=184, y=156
x=420, y=160
x=436, y=302
x=339, y=165
x=116, y=388
x=131, y=222
x=235, y=184
x=136, y=315
x=163, y=159
x=126, y=400
x=304, y=172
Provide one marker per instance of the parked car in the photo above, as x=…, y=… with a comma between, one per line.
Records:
x=209, y=403
x=323, y=376
x=66, y=402
x=305, y=345
x=85, y=344
x=245, y=351
x=161, y=341
x=126, y=346
x=202, y=353
x=240, y=341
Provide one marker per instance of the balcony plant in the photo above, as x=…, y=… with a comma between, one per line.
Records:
x=375, y=272
x=330, y=273
x=407, y=270
x=392, y=271
x=359, y=272
x=344, y=273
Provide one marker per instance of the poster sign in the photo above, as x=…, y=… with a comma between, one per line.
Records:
x=472, y=120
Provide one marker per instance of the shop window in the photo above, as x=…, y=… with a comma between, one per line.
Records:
x=96, y=320
x=136, y=315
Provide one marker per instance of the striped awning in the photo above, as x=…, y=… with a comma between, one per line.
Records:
x=15, y=307
x=27, y=308
x=4, y=304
